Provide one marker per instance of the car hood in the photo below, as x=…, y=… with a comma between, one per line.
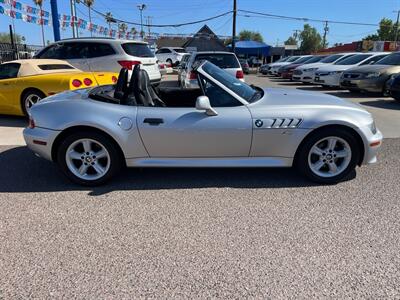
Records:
x=296, y=98
x=309, y=66
x=275, y=65
x=330, y=68
x=372, y=68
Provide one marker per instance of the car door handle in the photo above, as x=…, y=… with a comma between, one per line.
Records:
x=153, y=121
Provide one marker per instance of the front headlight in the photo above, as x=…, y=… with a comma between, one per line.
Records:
x=372, y=127
x=335, y=72
x=373, y=75
x=310, y=69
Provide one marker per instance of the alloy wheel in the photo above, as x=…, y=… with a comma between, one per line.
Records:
x=31, y=100
x=88, y=159
x=329, y=156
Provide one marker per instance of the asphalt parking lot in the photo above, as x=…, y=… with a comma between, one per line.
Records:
x=173, y=233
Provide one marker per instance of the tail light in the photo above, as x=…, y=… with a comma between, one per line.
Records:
x=128, y=64
x=161, y=66
x=239, y=74
x=76, y=83
x=31, y=123
x=87, y=81
x=168, y=65
x=192, y=75
x=114, y=79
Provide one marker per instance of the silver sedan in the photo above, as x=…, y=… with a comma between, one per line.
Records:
x=92, y=133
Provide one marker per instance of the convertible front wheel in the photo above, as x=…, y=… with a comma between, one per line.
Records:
x=328, y=156
x=88, y=158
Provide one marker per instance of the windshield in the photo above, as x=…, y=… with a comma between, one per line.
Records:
x=231, y=82
x=314, y=59
x=139, y=50
x=392, y=60
x=293, y=58
x=180, y=50
x=331, y=58
x=303, y=59
x=352, y=60
x=224, y=61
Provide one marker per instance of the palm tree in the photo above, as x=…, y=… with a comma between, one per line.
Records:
x=133, y=31
x=109, y=19
x=122, y=28
x=89, y=4
x=40, y=4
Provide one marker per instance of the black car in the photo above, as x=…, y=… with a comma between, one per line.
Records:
x=392, y=87
x=245, y=65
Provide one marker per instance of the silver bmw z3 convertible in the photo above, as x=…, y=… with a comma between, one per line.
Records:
x=92, y=133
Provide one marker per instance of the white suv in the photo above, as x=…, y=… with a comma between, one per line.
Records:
x=104, y=54
x=170, y=55
x=225, y=60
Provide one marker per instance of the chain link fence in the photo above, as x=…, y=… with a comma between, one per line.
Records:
x=9, y=51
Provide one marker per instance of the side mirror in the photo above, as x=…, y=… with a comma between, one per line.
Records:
x=203, y=103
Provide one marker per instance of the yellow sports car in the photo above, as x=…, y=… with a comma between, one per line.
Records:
x=25, y=82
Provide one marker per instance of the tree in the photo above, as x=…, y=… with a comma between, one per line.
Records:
x=133, y=31
x=248, y=35
x=291, y=41
x=5, y=38
x=40, y=4
x=89, y=4
x=310, y=39
x=386, y=31
x=109, y=19
x=122, y=28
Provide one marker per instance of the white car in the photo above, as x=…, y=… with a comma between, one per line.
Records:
x=225, y=60
x=104, y=54
x=306, y=73
x=330, y=75
x=170, y=55
x=274, y=67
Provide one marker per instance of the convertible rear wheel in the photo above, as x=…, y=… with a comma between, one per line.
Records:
x=30, y=98
x=89, y=158
x=329, y=155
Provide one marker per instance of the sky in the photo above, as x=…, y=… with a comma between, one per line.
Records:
x=274, y=31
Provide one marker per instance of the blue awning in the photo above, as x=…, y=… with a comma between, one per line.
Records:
x=252, y=48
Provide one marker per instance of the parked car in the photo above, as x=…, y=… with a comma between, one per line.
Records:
x=306, y=73
x=330, y=75
x=393, y=87
x=264, y=68
x=225, y=60
x=171, y=55
x=286, y=72
x=104, y=54
x=23, y=83
x=245, y=65
x=273, y=70
x=371, y=78
x=254, y=62
x=226, y=123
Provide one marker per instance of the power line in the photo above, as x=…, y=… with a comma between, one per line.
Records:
x=164, y=25
x=305, y=19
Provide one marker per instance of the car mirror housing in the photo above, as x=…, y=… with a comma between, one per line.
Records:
x=203, y=103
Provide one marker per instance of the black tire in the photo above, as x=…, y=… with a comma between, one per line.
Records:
x=116, y=159
x=29, y=93
x=395, y=96
x=355, y=91
x=301, y=159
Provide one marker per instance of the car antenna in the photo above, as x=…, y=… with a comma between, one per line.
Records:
x=91, y=72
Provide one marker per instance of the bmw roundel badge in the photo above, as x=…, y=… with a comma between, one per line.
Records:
x=259, y=123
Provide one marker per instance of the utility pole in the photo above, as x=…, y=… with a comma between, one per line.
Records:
x=141, y=7
x=296, y=34
x=326, y=29
x=234, y=26
x=56, y=22
x=73, y=16
x=148, y=22
x=397, y=26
